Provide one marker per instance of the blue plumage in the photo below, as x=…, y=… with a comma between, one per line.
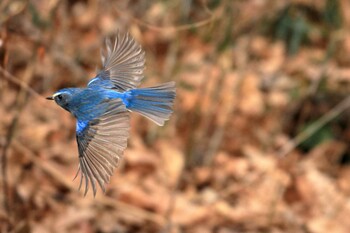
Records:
x=102, y=109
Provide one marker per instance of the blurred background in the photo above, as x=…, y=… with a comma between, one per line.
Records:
x=259, y=138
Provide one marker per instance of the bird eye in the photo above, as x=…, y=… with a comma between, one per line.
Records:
x=59, y=97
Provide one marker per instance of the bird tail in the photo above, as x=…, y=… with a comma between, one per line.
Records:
x=155, y=103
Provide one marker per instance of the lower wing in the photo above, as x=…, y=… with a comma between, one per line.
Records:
x=101, y=143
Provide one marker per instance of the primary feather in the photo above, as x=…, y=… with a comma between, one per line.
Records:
x=101, y=143
x=123, y=64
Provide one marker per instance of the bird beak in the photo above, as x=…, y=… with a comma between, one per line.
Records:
x=49, y=98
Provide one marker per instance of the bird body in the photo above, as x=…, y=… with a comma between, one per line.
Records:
x=102, y=109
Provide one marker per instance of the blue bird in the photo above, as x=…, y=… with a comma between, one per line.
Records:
x=102, y=109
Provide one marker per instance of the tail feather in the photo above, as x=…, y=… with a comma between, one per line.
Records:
x=155, y=103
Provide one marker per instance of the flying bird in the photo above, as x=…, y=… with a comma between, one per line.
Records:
x=102, y=109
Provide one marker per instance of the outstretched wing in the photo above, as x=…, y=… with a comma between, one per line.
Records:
x=101, y=143
x=123, y=64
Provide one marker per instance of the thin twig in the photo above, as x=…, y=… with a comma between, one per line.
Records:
x=216, y=138
x=184, y=27
x=10, y=77
x=19, y=105
x=333, y=113
x=171, y=206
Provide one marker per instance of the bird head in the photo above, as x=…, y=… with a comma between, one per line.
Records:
x=62, y=98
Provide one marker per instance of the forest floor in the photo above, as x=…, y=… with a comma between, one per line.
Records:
x=259, y=137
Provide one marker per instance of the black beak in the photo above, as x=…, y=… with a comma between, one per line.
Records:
x=49, y=98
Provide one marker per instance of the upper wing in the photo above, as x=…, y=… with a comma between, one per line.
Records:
x=123, y=64
x=101, y=143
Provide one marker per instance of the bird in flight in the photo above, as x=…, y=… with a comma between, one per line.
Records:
x=102, y=109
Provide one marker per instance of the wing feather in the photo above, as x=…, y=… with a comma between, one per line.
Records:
x=101, y=144
x=123, y=64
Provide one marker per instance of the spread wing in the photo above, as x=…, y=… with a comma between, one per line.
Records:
x=101, y=143
x=123, y=64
